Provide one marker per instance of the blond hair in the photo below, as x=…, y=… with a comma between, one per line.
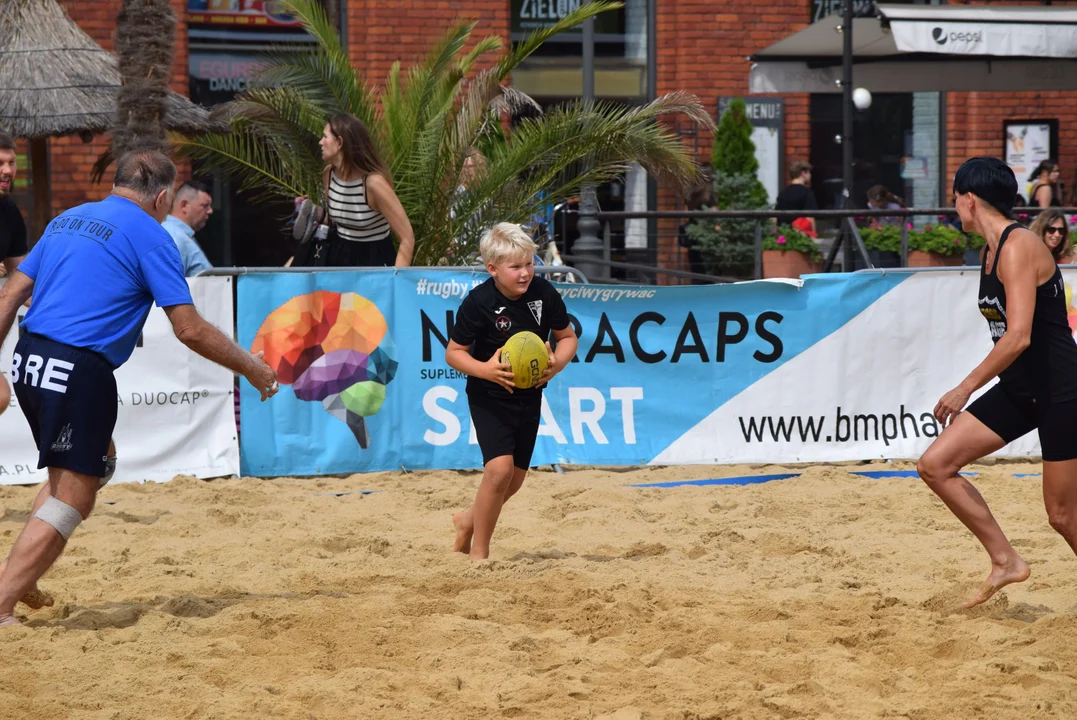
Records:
x=505, y=240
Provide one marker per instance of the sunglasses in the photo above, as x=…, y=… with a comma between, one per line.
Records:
x=1051, y=230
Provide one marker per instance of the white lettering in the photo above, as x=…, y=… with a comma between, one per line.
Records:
x=16, y=360
x=55, y=376
x=33, y=364
x=525, y=11
x=442, y=415
x=627, y=395
x=548, y=425
x=580, y=417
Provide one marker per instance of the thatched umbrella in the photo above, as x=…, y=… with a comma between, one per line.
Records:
x=55, y=80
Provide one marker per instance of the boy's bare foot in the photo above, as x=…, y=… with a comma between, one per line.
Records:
x=6, y=620
x=1015, y=571
x=464, y=531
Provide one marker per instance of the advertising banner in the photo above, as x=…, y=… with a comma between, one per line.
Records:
x=838, y=367
x=176, y=409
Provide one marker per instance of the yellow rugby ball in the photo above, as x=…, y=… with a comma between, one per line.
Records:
x=527, y=355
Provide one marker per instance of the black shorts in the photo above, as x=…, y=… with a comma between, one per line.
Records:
x=506, y=425
x=68, y=396
x=1011, y=415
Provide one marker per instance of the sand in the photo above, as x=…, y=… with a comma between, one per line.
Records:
x=823, y=596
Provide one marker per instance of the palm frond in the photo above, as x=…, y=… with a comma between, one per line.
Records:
x=534, y=41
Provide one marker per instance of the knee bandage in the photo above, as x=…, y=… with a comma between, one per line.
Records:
x=110, y=469
x=60, y=515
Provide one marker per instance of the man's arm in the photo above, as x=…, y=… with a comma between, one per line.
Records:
x=196, y=333
x=11, y=263
x=15, y=292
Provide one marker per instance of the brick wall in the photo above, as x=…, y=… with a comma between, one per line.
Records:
x=380, y=32
x=71, y=160
x=702, y=49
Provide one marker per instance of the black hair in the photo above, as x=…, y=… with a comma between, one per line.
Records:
x=989, y=179
x=1045, y=166
x=6, y=141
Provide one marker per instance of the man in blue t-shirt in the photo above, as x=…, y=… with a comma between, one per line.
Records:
x=94, y=275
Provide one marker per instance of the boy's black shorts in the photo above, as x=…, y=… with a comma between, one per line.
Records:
x=68, y=396
x=506, y=424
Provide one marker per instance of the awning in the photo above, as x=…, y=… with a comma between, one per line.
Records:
x=923, y=48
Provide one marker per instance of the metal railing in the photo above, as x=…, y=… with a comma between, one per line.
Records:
x=235, y=271
x=848, y=240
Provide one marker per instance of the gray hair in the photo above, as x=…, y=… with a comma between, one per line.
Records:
x=146, y=172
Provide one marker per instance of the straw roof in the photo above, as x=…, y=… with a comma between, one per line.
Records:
x=55, y=80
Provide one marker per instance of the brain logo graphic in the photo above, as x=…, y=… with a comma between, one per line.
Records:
x=332, y=348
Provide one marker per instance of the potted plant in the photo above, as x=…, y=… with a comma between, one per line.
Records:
x=883, y=243
x=788, y=252
x=937, y=246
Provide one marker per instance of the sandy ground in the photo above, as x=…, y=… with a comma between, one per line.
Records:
x=824, y=596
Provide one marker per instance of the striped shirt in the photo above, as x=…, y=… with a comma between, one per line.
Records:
x=349, y=209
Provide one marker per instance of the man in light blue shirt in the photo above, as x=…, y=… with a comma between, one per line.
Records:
x=77, y=333
x=190, y=211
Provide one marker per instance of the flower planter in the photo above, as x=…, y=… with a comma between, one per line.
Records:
x=788, y=264
x=972, y=257
x=920, y=258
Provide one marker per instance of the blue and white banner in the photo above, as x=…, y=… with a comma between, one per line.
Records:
x=838, y=367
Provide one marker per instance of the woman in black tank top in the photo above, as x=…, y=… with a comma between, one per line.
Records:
x=1022, y=297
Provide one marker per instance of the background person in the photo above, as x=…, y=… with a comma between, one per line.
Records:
x=13, y=245
x=1051, y=227
x=190, y=211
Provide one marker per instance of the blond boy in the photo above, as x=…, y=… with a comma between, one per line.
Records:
x=506, y=418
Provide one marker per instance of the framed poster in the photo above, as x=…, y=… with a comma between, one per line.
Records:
x=767, y=115
x=1026, y=143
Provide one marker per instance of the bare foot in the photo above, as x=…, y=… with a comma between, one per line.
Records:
x=35, y=598
x=464, y=531
x=1001, y=576
x=479, y=556
x=6, y=620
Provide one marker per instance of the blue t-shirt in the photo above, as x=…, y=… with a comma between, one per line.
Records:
x=97, y=271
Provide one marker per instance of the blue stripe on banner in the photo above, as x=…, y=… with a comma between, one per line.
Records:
x=877, y=474
x=743, y=480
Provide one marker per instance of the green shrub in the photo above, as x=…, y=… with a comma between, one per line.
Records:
x=941, y=239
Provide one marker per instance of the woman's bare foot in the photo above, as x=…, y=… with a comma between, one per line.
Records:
x=6, y=620
x=464, y=530
x=1015, y=571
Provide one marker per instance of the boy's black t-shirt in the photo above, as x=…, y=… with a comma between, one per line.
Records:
x=486, y=319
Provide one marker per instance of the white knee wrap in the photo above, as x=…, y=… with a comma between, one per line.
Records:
x=60, y=515
x=110, y=469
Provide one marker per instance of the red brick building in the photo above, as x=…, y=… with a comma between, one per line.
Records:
x=701, y=47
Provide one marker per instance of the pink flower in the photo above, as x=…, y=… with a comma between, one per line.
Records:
x=1023, y=216
x=927, y=228
x=781, y=240
x=957, y=241
x=908, y=226
x=942, y=217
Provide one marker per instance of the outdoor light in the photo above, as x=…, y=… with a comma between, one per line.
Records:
x=861, y=98
x=837, y=139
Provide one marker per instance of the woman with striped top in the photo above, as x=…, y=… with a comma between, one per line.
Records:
x=360, y=201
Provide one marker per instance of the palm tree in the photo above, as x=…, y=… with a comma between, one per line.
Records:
x=145, y=41
x=427, y=119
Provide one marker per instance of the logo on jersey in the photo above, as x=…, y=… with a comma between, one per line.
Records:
x=995, y=315
x=535, y=306
x=499, y=310
x=63, y=442
x=502, y=323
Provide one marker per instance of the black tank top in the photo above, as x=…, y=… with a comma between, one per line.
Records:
x=1047, y=369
